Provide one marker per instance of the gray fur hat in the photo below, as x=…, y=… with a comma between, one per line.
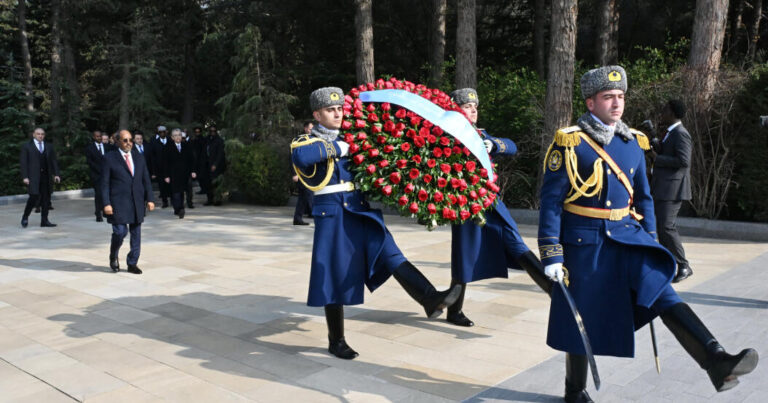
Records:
x=325, y=97
x=464, y=96
x=602, y=79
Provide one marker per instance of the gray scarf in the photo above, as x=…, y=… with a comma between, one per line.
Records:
x=325, y=134
x=600, y=133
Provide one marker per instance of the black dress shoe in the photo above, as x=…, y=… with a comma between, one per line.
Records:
x=181, y=213
x=682, y=274
x=24, y=222
x=190, y=205
x=37, y=209
x=341, y=349
x=99, y=218
x=114, y=264
x=578, y=397
x=47, y=223
x=300, y=222
x=132, y=268
x=208, y=203
x=459, y=319
x=51, y=207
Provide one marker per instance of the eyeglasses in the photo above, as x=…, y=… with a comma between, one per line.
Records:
x=126, y=140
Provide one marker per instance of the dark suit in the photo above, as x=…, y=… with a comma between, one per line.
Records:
x=215, y=158
x=670, y=185
x=127, y=194
x=178, y=166
x=38, y=168
x=95, y=159
x=156, y=153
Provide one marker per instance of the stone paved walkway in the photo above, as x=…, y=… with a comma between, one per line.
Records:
x=219, y=315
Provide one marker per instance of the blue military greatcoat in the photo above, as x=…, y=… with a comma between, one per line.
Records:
x=481, y=252
x=617, y=270
x=352, y=247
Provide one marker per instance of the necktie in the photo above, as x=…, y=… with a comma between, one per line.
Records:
x=128, y=162
x=101, y=150
x=141, y=149
x=40, y=146
x=178, y=147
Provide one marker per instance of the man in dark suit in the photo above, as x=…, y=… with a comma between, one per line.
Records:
x=94, y=156
x=156, y=164
x=671, y=182
x=138, y=143
x=179, y=168
x=125, y=189
x=38, y=162
x=216, y=162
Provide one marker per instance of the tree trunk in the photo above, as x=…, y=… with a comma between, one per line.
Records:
x=71, y=93
x=27, y=60
x=707, y=46
x=754, y=30
x=437, y=54
x=364, y=34
x=735, y=32
x=466, y=45
x=539, y=30
x=187, y=114
x=125, y=87
x=558, y=106
x=56, y=60
x=608, y=32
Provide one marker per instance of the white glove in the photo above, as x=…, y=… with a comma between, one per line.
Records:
x=554, y=271
x=344, y=147
x=488, y=145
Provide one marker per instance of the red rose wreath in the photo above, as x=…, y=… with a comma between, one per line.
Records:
x=404, y=161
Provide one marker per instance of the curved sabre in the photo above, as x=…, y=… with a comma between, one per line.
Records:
x=452, y=122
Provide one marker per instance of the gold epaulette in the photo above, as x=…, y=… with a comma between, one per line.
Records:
x=642, y=139
x=301, y=139
x=568, y=136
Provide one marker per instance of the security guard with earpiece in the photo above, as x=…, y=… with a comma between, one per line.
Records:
x=597, y=220
x=352, y=247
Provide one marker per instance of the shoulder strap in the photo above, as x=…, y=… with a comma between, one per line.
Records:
x=611, y=163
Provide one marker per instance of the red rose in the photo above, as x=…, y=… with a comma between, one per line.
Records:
x=447, y=213
x=381, y=139
x=349, y=137
x=438, y=196
x=419, y=141
x=441, y=182
x=361, y=136
x=395, y=177
x=424, y=132
x=397, y=134
x=487, y=202
x=423, y=195
x=357, y=114
x=366, y=146
x=437, y=131
x=455, y=183
x=437, y=152
x=370, y=169
x=405, y=147
x=482, y=192
x=431, y=139
x=462, y=200
x=371, y=107
x=447, y=152
x=353, y=148
x=372, y=117
x=373, y=152
x=431, y=163
x=458, y=167
x=471, y=165
x=444, y=141
x=348, y=99
x=445, y=168
x=483, y=172
x=378, y=182
x=386, y=106
x=410, y=133
x=431, y=208
x=401, y=163
x=389, y=126
x=387, y=190
x=358, y=159
x=346, y=125
x=453, y=199
x=415, y=121
x=387, y=148
x=464, y=214
x=493, y=187
x=414, y=208
x=416, y=159
x=474, y=179
x=414, y=173
x=462, y=185
x=376, y=129
x=383, y=164
x=427, y=178
x=466, y=151
x=409, y=188
x=359, y=124
x=456, y=150
x=475, y=208
x=427, y=124
x=400, y=126
x=473, y=195
x=403, y=200
x=400, y=114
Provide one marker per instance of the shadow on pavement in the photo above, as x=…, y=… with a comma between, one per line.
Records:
x=722, y=300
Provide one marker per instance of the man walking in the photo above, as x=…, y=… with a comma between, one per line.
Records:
x=216, y=163
x=38, y=162
x=94, y=156
x=126, y=189
x=156, y=163
x=671, y=182
x=179, y=168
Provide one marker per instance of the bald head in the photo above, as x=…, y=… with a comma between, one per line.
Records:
x=125, y=138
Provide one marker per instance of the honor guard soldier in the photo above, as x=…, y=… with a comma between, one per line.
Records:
x=597, y=235
x=479, y=252
x=352, y=247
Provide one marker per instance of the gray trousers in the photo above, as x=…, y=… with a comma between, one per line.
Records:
x=666, y=226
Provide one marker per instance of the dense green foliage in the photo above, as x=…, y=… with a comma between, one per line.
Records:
x=258, y=173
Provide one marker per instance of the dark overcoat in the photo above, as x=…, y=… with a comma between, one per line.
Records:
x=179, y=165
x=29, y=161
x=671, y=178
x=125, y=193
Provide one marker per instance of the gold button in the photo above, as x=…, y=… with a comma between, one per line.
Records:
x=609, y=171
x=608, y=203
x=342, y=181
x=578, y=240
x=345, y=204
x=608, y=232
x=337, y=160
x=323, y=213
x=631, y=170
x=361, y=203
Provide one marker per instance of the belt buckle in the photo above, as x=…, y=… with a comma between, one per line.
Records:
x=616, y=214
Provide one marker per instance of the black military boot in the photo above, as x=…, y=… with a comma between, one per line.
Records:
x=423, y=292
x=334, y=316
x=455, y=315
x=576, y=379
x=535, y=269
x=723, y=368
